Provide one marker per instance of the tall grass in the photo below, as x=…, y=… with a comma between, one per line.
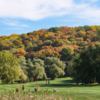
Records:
x=59, y=89
x=33, y=96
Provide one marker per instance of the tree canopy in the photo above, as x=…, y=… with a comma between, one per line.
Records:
x=51, y=53
x=9, y=67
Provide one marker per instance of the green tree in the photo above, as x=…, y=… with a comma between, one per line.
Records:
x=55, y=71
x=66, y=54
x=87, y=65
x=36, y=69
x=23, y=65
x=10, y=70
x=54, y=67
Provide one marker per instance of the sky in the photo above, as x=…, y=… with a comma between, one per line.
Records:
x=22, y=16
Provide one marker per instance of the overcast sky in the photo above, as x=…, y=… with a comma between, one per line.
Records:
x=20, y=16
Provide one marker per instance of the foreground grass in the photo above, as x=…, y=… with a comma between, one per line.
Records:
x=63, y=88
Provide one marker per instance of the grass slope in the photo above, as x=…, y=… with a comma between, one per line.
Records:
x=64, y=87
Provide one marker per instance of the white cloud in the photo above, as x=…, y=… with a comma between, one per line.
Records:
x=34, y=9
x=88, y=12
x=39, y=9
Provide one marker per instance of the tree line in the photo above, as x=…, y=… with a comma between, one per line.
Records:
x=51, y=53
x=13, y=69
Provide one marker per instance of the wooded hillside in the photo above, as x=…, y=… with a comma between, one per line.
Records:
x=50, y=42
x=51, y=53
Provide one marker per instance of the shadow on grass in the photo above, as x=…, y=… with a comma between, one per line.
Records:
x=67, y=83
x=61, y=84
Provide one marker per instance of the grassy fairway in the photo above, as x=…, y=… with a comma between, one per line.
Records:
x=64, y=87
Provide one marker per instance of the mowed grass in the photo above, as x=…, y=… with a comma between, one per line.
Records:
x=64, y=87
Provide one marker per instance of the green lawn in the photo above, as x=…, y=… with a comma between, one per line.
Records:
x=64, y=87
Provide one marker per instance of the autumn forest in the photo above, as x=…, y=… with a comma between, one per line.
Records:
x=51, y=53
